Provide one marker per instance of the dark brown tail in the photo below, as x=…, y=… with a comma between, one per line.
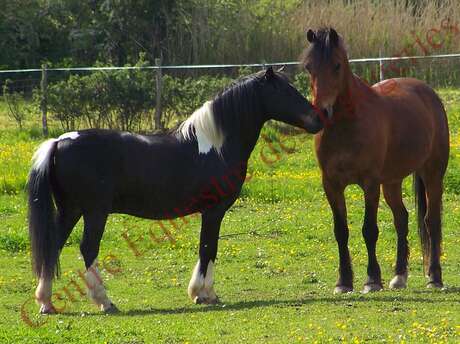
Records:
x=420, y=202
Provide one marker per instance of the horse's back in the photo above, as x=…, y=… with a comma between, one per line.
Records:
x=417, y=123
x=415, y=102
x=108, y=165
x=414, y=93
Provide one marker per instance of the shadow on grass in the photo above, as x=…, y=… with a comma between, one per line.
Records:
x=344, y=300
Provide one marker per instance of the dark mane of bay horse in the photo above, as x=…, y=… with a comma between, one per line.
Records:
x=322, y=46
x=383, y=134
x=200, y=167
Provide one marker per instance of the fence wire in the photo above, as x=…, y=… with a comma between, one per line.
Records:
x=129, y=97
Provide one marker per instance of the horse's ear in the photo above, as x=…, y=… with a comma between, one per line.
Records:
x=281, y=69
x=334, y=37
x=311, y=36
x=269, y=73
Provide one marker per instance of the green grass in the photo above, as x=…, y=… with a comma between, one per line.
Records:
x=276, y=268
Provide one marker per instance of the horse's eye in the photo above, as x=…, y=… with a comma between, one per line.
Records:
x=337, y=67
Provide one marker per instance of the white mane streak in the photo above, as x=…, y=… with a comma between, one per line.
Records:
x=206, y=132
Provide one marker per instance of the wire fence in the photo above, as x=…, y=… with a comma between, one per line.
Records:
x=168, y=93
x=27, y=79
x=212, y=66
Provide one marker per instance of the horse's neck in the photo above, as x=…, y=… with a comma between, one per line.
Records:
x=362, y=85
x=356, y=92
x=241, y=138
x=241, y=141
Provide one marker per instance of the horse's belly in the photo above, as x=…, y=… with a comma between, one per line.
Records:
x=343, y=168
x=405, y=158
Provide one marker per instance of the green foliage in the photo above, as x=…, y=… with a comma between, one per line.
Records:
x=115, y=99
x=302, y=82
x=13, y=242
x=125, y=99
x=70, y=32
x=18, y=108
x=67, y=101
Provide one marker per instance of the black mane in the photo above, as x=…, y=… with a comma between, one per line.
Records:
x=239, y=105
x=234, y=106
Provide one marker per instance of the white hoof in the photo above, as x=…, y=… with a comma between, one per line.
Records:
x=204, y=295
x=96, y=289
x=341, y=289
x=200, y=288
x=399, y=282
x=47, y=309
x=207, y=299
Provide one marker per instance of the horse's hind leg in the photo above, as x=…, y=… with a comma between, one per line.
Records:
x=66, y=220
x=393, y=197
x=89, y=247
x=200, y=288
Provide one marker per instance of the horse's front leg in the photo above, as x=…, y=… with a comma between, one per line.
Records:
x=371, y=234
x=335, y=196
x=200, y=288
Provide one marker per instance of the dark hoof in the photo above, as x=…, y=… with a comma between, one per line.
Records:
x=206, y=301
x=342, y=289
x=112, y=309
x=372, y=287
x=434, y=285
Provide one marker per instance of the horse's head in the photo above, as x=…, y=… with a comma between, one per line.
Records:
x=284, y=103
x=327, y=62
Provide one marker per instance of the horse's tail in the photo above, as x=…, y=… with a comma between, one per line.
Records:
x=42, y=223
x=420, y=202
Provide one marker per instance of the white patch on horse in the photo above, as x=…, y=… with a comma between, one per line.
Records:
x=43, y=295
x=200, y=288
x=96, y=290
x=73, y=135
x=207, y=134
x=42, y=154
x=142, y=138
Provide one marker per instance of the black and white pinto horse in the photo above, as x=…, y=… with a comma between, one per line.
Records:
x=200, y=167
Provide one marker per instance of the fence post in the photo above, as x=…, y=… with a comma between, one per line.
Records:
x=158, y=124
x=43, y=101
x=382, y=76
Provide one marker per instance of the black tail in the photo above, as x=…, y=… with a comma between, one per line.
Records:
x=42, y=223
x=420, y=201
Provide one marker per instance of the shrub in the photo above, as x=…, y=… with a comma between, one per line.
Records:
x=67, y=100
x=115, y=99
x=18, y=109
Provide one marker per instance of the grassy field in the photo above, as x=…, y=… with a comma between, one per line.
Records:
x=276, y=268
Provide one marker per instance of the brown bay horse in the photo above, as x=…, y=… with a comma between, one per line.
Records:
x=378, y=136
